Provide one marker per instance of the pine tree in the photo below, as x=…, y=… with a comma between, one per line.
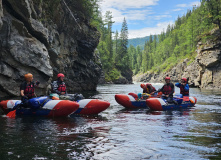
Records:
x=155, y=41
x=213, y=10
x=116, y=46
x=139, y=57
x=108, y=21
x=122, y=57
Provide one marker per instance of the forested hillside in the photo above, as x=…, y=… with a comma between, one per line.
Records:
x=162, y=52
x=138, y=41
x=113, y=51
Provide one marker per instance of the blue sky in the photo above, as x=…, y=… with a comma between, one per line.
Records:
x=145, y=17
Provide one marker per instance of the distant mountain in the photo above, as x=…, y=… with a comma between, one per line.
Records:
x=138, y=41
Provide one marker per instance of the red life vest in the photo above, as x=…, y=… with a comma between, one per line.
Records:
x=183, y=92
x=146, y=90
x=167, y=89
x=29, y=90
x=149, y=89
x=62, y=87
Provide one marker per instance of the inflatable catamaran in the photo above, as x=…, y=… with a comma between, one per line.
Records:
x=155, y=102
x=44, y=106
x=40, y=106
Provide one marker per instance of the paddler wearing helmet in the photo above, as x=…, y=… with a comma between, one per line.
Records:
x=148, y=88
x=184, y=87
x=27, y=88
x=167, y=90
x=59, y=86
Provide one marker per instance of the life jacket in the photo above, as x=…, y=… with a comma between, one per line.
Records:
x=146, y=90
x=149, y=89
x=29, y=90
x=183, y=92
x=167, y=89
x=62, y=87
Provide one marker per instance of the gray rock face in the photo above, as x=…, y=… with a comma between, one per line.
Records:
x=127, y=75
x=43, y=42
x=204, y=72
x=102, y=78
x=1, y=14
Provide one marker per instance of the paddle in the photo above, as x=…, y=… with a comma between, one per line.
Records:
x=185, y=98
x=11, y=114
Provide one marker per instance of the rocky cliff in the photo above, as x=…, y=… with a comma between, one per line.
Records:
x=204, y=72
x=44, y=38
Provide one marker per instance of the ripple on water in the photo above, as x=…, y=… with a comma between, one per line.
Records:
x=118, y=133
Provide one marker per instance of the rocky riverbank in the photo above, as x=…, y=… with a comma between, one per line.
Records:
x=43, y=38
x=203, y=72
x=125, y=78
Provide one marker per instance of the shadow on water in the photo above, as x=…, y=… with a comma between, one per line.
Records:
x=41, y=138
x=29, y=137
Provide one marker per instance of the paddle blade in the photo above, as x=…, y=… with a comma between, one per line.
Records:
x=186, y=98
x=11, y=114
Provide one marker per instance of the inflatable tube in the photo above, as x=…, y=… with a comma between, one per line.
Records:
x=41, y=106
x=159, y=104
x=9, y=105
x=91, y=106
x=134, y=95
x=128, y=101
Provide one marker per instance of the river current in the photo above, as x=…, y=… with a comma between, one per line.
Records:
x=118, y=133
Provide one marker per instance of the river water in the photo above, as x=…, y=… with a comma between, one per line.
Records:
x=117, y=133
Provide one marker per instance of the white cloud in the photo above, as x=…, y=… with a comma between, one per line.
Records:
x=140, y=11
x=150, y=30
x=129, y=9
x=182, y=5
x=162, y=16
x=178, y=9
x=196, y=3
x=118, y=15
x=137, y=14
x=126, y=4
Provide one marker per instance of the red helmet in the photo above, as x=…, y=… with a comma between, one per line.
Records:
x=184, y=79
x=142, y=85
x=60, y=75
x=148, y=84
x=167, y=78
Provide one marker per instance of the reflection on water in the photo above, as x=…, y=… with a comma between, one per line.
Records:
x=118, y=133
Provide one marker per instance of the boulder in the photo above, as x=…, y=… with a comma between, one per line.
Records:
x=121, y=80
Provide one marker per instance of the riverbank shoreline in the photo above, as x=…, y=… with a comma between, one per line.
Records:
x=203, y=72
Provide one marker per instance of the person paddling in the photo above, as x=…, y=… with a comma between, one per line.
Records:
x=27, y=88
x=148, y=88
x=184, y=87
x=168, y=90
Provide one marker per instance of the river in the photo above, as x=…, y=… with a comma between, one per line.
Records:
x=117, y=133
